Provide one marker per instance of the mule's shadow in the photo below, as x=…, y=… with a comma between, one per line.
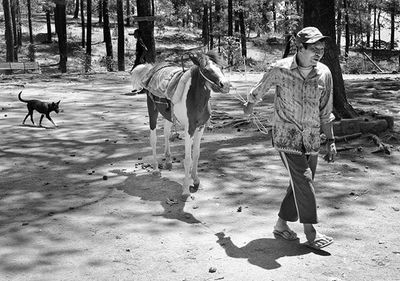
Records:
x=150, y=187
x=263, y=252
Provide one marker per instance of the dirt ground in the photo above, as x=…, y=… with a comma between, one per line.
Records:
x=78, y=202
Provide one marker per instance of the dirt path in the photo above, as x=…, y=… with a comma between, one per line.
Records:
x=78, y=202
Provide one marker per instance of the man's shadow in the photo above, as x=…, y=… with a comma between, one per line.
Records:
x=264, y=252
x=150, y=187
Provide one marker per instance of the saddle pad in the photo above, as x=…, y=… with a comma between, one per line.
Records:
x=158, y=79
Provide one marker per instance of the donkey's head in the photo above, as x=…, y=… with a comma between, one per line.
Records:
x=210, y=68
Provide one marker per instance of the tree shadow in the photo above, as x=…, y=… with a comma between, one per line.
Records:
x=151, y=187
x=265, y=252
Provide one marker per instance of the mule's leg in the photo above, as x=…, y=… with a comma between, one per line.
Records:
x=167, y=149
x=153, y=114
x=196, y=154
x=187, y=164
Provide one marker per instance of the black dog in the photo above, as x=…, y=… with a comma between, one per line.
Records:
x=41, y=107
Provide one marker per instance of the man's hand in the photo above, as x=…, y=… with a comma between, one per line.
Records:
x=248, y=108
x=331, y=151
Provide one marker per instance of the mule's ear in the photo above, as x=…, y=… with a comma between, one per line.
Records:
x=58, y=102
x=194, y=59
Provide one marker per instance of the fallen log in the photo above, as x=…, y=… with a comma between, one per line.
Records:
x=347, y=137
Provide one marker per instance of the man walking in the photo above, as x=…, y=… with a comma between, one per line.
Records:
x=303, y=106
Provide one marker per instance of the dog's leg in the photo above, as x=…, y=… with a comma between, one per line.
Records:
x=23, y=122
x=51, y=120
x=33, y=122
x=40, y=121
x=196, y=154
x=167, y=149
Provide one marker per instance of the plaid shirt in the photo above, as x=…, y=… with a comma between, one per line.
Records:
x=301, y=105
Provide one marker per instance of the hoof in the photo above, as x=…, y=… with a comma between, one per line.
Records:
x=168, y=166
x=156, y=173
x=187, y=197
x=193, y=188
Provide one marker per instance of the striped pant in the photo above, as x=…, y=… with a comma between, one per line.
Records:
x=299, y=202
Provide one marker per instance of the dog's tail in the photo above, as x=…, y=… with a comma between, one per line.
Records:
x=19, y=97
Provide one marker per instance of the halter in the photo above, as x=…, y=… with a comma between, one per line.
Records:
x=207, y=79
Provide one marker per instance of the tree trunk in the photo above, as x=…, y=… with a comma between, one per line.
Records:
x=236, y=20
x=230, y=18
x=76, y=12
x=242, y=31
x=369, y=25
x=392, y=23
x=88, y=61
x=83, y=24
x=321, y=14
x=14, y=29
x=347, y=30
x=218, y=22
x=19, y=23
x=61, y=27
x=100, y=9
x=107, y=36
x=339, y=26
x=128, y=13
x=211, y=28
x=28, y=2
x=205, y=30
x=8, y=31
x=48, y=24
x=146, y=8
x=373, y=35
x=274, y=15
x=121, y=37
x=378, y=23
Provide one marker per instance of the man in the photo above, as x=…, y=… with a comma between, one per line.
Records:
x=303, y=106
x=141, y=49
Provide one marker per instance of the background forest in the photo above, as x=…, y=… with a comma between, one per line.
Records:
x=97, y=33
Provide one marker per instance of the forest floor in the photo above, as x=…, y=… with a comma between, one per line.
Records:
x=79, y=202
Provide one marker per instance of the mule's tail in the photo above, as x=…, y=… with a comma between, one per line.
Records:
x=19, y=97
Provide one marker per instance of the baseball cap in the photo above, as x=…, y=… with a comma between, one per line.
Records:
x=309, y=35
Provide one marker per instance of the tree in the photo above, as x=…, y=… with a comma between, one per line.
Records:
x=14, y=17
x=128, y=13
x=205, y=26
x=88, y=61
x=83, y=25
x=121, y=37
x=47, y=8
x=76, y=12
x=107, y=36
x=8, y=31
x=30, y=21
x=211, y=29
x=145, y=8
x=321, y=14
x=346, y=27
x=61, y=29
x=230, y=18
x=339, y=26
x=242, y=29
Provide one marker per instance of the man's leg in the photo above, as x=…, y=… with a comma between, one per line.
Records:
x=299, y=201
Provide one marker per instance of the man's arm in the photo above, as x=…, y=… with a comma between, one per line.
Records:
x=326, y=115
x=259, y=90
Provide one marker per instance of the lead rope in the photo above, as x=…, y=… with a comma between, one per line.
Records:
x=253, y=118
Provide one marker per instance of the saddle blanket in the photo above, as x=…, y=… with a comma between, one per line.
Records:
x=162, y=80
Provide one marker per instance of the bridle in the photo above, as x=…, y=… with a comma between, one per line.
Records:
x=209, y=80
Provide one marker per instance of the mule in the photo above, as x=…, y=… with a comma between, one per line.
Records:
x=183, y=96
